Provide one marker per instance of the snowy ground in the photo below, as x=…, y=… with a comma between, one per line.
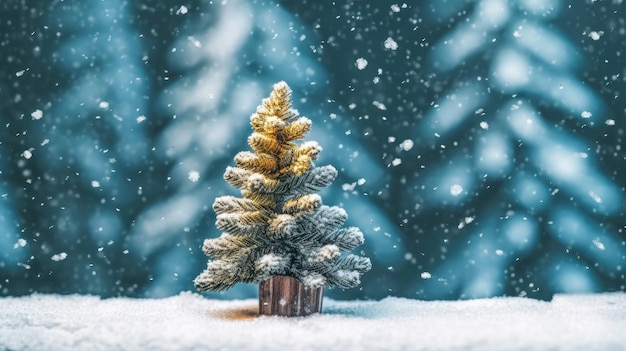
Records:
x=191, y=322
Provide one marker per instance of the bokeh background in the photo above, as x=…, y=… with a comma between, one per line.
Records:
x=479, y=142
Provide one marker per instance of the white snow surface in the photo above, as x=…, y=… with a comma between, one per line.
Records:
x=191, y=322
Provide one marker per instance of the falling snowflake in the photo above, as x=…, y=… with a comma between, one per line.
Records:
x=406, y=145
x=585, y=114
x=456, y=190
x=467, y=220
x=595, y=197
x=426, y=275
x=195, y=42
x=182, y=10
x=37, y=114
x=598, y=244
x=20, y=243
x=194, y=176
x=595, y=35
x=348, y=186
x=390, y=44
x=380, y=105
x=361, y=63
x=59, y=257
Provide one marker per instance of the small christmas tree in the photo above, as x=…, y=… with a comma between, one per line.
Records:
x=280, y=227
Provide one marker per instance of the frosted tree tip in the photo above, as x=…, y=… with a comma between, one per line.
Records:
x=282, y=85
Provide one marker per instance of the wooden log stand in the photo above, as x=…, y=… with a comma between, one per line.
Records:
x=287, y=296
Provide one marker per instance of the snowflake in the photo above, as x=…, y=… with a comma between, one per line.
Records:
x=456, y=190
x=361, y=63
x=595, y=35
x=182, y=10
x=390, y=44
x=37, y=114
x=194, y=176
x=406, y=145
x=59, y=257
x=380, y=105
x=20, y=243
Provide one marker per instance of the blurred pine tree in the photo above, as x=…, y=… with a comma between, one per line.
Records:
x=516, y=166
x=74, y=142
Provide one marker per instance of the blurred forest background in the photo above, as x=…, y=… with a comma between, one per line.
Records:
x=479, y=142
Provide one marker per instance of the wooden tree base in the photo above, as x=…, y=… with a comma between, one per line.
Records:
x=287, y=296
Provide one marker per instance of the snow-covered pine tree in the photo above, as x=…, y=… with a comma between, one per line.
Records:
x=280, y=226
x=209, y=76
